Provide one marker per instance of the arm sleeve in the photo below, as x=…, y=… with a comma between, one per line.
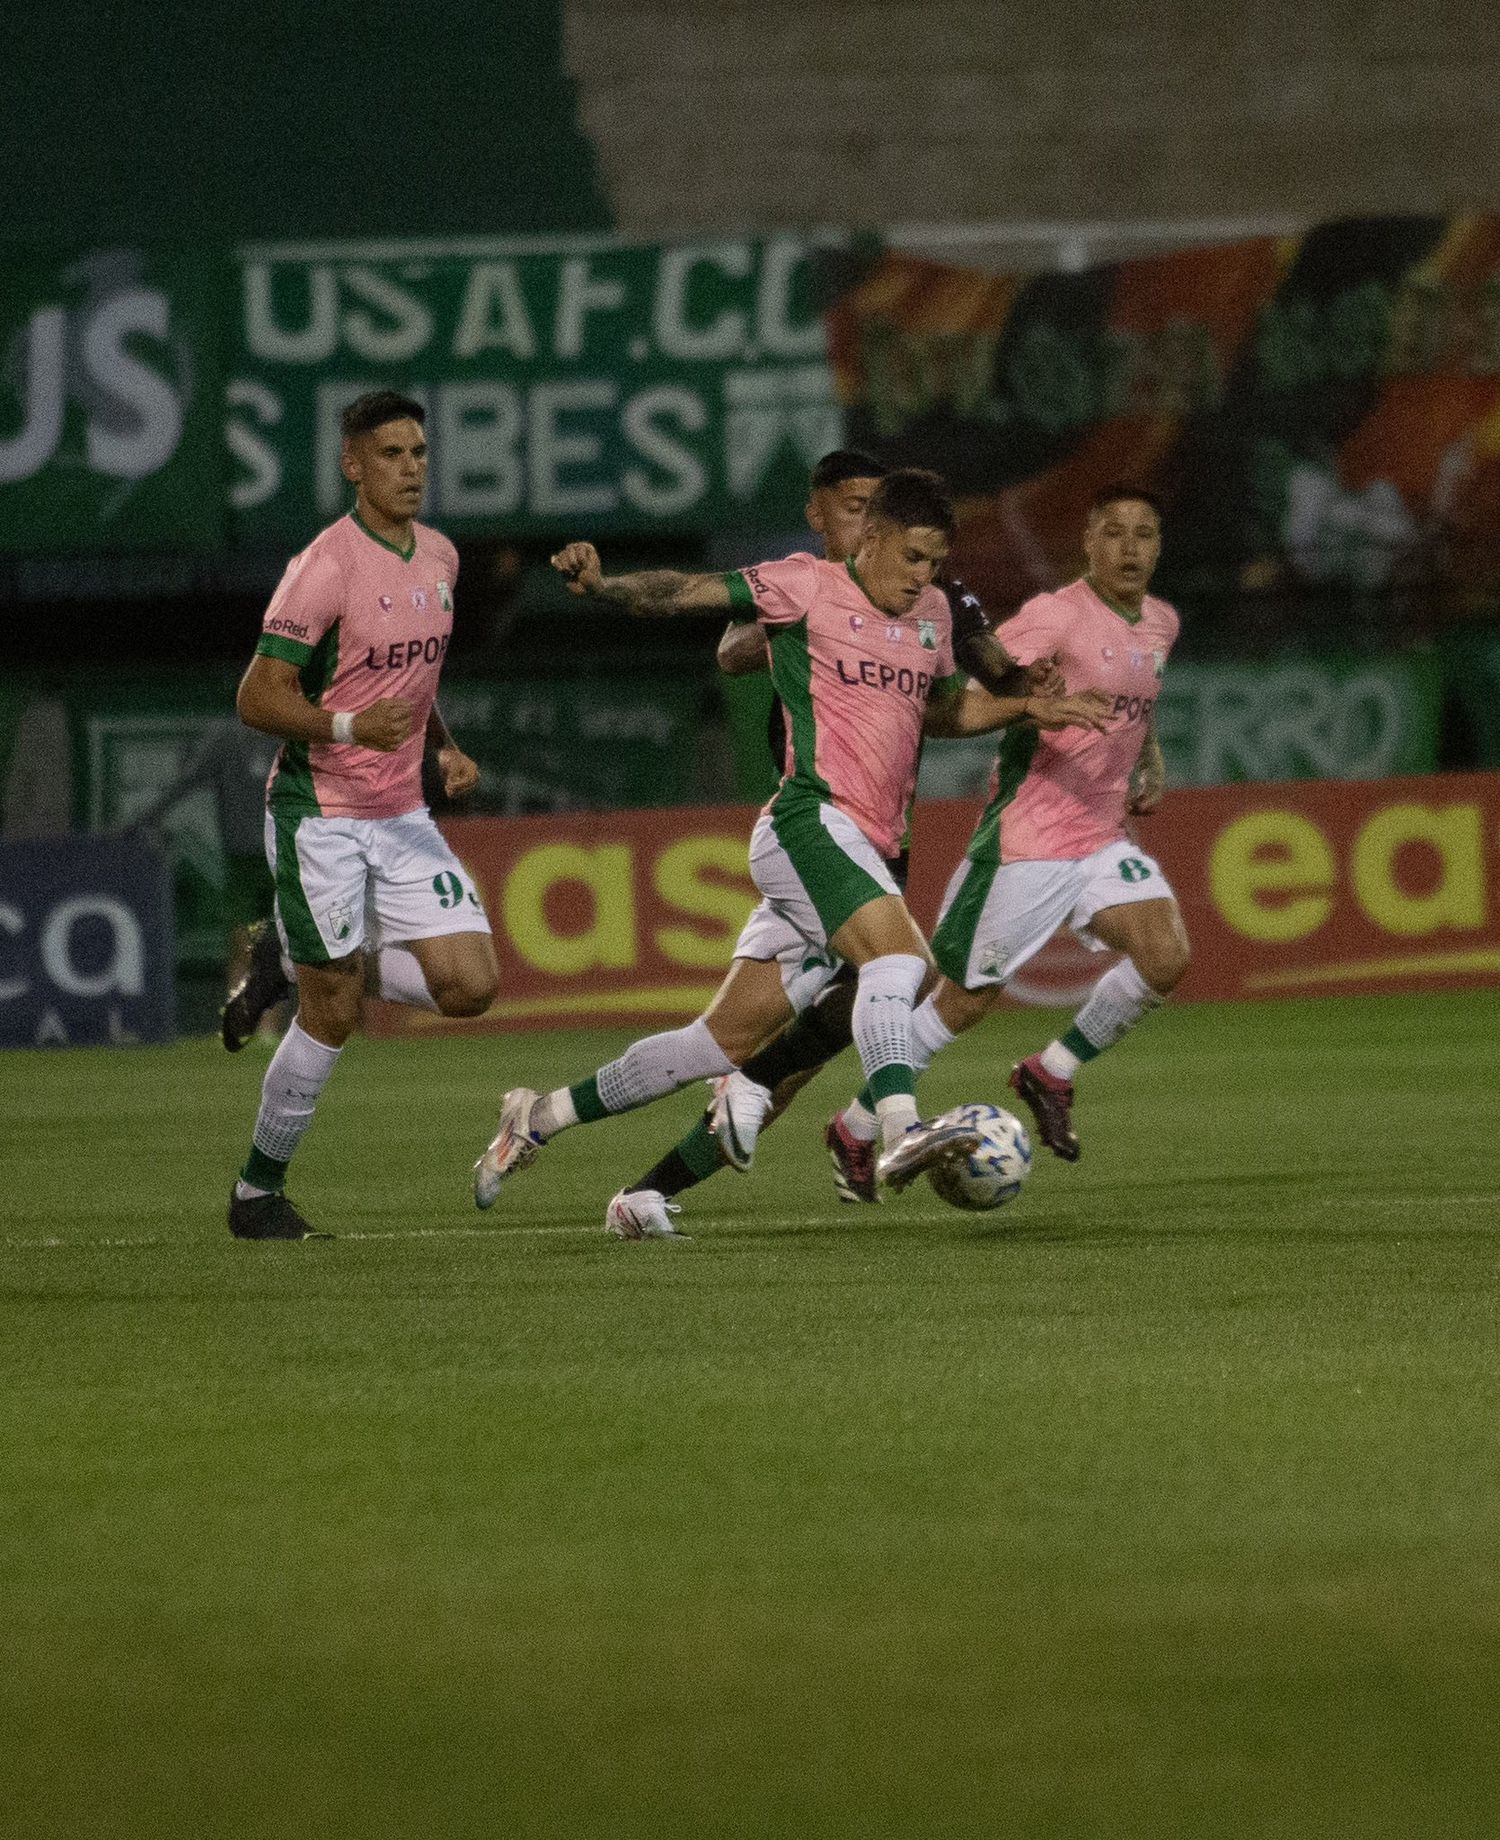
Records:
x=306, y=603
x=970, y=620
x=1033, y=632
x=775, y=593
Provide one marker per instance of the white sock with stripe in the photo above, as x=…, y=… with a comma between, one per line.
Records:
x=288, y=1096
x=883, y=1002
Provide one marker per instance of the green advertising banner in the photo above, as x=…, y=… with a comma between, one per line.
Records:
x=111, y=393
x=1301, y=718
x=575, y=744
x=1296, y=718
x=574, y=385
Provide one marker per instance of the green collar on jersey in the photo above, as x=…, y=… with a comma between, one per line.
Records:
x=1132, y=618
x=854, y=577
x=405, y=554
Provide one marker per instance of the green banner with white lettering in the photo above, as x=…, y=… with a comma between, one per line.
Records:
x=111, y=399
x=572, y=386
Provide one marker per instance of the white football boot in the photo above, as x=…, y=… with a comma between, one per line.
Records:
x=642, y=1213
x=922, y=1145
x=512, y=1147
x=738, y=1111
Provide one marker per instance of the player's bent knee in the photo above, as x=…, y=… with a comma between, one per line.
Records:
x=1164, y=964
x=469, y=996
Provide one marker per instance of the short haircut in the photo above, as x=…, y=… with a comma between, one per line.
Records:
x=846, y=463
x=1124, y=488
x=915, y=499
x=377, y=407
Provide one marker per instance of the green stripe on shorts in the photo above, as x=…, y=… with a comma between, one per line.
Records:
x=835, y=884
x=304, y=941
x=953, y=942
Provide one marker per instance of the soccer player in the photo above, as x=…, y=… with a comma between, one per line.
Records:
x=346, y=673
x=861, y=656
x=756, y=1094
x=1052, y=845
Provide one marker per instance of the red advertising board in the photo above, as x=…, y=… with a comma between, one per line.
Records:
x=1299, y=888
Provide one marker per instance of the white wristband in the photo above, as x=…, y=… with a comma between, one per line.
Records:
x=343, y=726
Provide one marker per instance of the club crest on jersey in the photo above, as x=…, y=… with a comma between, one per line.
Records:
x=445, y=596
x=893, y=635
x=419, y=599
x=927, y=632
x=1159, y=660
x=856, y=622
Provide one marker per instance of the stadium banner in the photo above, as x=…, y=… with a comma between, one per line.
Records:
x=111, y=400
x=85, y=943
x=1313, y=888
x=574, y=744
x=572, y=384
x=1316, y=411
x=1305, y=717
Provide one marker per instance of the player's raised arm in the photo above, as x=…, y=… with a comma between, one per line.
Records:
x=270, y=699
x=653, y=594
x=975, y=711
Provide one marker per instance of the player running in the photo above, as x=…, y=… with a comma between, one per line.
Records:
x=1052, y=847
x=862, y=658
x=756, y=1094
x=367, y=892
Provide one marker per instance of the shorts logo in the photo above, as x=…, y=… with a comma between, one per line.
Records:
x=856, y=622
x=340, y=921
x=387, y=605
x=1132, y=869
x=893, y=635
x=419, y=599
x=989, y=960
x=445, y=596
x=927, y=632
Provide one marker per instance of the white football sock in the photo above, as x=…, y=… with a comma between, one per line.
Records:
x=289, y=1092
x=1062, y=1063
x=660, y=1064
x=883, y=1003
x=1120, y=999
x=929, y=1035
x=861, y=1122
x=552, y=1113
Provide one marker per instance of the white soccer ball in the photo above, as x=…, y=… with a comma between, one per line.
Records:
x=994, y=1171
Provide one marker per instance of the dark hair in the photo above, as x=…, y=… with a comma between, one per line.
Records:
x=1124, y=488
x=915, y=499
x=376, y=407
x=846, y=463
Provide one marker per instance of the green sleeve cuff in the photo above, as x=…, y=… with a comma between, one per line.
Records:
x=742, y=608
x=289, y=651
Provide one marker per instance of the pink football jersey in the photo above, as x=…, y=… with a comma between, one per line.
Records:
x=1062, y=794
x=362, y=621
x=855, y=683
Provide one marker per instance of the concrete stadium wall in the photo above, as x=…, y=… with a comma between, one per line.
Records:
x=754, y=114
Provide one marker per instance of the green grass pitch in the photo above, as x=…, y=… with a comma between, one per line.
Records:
x=1164, y=1503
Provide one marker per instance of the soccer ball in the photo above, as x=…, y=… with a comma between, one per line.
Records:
x=992, y=1173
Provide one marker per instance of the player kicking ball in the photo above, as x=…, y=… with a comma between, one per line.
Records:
x=1052, y=848
x=346, y=673
x=861, y=658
